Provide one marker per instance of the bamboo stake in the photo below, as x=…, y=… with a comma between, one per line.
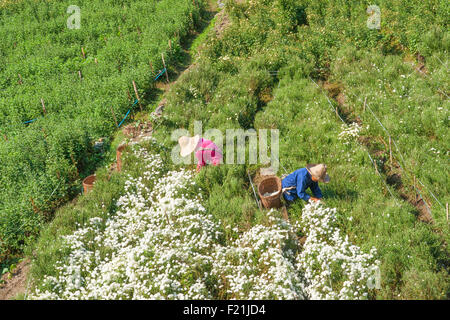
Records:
x=114, y=116
x=167, y=216
x=35, y=209
x=151, y=67
x=415, y=190
x=164, y=64
x=43, y=106
x=82, y=52
x=137, y=95
x=170, y=44
x=390, y=151
x=446, y=207
x=79, y=74
x=254, y=192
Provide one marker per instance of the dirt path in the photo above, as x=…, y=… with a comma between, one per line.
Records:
x=17, y=284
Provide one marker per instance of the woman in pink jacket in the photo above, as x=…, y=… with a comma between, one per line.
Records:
x=205, y=150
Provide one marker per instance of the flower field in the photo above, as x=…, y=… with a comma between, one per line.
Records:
x=161, y=243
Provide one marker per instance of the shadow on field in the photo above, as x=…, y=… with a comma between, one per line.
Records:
x=347, y=195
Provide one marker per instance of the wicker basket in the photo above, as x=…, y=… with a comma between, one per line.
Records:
x=88, y=183
x=270, y=185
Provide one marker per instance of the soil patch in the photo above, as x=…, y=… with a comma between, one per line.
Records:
x=223, y=21
x=17, y=284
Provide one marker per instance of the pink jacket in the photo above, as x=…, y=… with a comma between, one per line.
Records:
x=207, y=153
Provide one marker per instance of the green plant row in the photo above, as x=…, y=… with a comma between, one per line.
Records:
x=406, y=105
x=232, y=87
x=42, y=163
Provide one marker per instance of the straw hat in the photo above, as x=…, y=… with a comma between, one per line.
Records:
x=188, y=145
x=318, y=171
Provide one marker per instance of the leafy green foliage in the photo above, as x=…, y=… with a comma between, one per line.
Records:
x=42, y=163
x=333, y=43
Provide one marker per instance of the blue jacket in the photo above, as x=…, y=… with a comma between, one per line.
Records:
x=301, y=179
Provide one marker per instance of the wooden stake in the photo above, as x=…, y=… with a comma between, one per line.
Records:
x=164, y=64
x=20, y=79
x=82, y=52
x=137, y=95
x=390, y=151
x=446, y=209
x=415, y=190
x=151, y=67
x=114, y=116
x=43, y=106
x=167, y=216
x=35, y=209
x=284, y=213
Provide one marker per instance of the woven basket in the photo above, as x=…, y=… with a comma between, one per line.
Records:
x=270, y=185
x=88, y=183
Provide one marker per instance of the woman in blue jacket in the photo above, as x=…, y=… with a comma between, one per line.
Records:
x=295, y=184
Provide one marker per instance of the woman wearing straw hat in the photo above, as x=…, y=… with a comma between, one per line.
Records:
x=205, y=150
x=295, y=184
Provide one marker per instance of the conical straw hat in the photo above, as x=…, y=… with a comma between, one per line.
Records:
x=188, y=145
x=318, y=171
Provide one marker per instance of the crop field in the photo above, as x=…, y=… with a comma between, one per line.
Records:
x=72, y=84
x=369, y=101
